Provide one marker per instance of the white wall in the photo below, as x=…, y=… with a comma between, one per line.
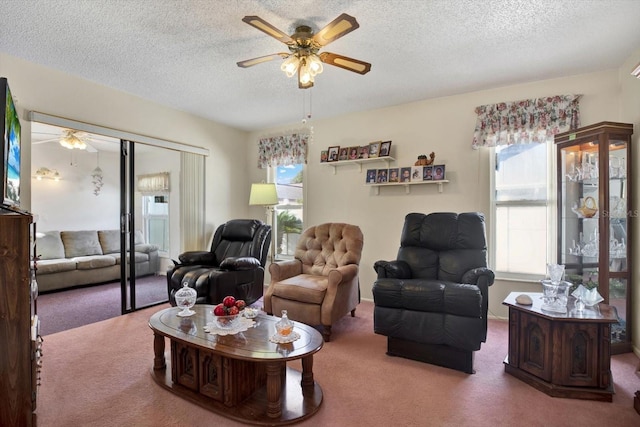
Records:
x=53, y=92
x=63, y=205
x=443, y=125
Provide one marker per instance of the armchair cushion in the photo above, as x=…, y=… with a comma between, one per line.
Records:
x=240, y=263
x=197, y=257
x=306, y=288
x=429, y=296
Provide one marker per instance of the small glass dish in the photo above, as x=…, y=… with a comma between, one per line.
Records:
x=250, y=312
x=228, y=322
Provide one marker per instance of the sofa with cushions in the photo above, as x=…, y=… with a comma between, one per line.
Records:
x=68, y=259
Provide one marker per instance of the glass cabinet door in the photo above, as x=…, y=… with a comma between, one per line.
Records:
x=594, y=216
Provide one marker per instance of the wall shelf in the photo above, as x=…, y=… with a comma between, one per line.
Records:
x=407, y=185
x=359, y=162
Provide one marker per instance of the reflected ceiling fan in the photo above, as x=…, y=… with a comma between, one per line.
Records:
x=71, y=139
x=303, y=57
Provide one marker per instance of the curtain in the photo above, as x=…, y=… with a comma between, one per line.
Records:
x=192, y=218
x=282, y=150
x=525, y=121
x=154, y=183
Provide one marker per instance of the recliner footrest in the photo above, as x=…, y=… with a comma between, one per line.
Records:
x=441, y=355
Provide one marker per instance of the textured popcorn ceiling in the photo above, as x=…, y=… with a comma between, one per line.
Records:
x=183, y=53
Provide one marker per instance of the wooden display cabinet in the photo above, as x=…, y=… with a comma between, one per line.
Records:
x=561, y=354
x=20, y=351
x=595, y=216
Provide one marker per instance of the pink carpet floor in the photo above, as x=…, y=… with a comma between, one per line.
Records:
x=99, y=375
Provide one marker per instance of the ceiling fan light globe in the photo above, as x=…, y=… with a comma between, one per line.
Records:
x=305, y=71
x=315, y=65
x=290, y=65
x=66, y=143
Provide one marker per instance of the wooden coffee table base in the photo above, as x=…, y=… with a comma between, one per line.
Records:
x=297, y=402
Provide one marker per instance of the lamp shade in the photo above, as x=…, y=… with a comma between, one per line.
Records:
x=263, y=194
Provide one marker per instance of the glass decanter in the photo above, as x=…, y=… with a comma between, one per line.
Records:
x=284, y=326
x=186, y=298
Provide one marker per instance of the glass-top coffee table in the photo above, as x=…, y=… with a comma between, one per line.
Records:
x=241, y=376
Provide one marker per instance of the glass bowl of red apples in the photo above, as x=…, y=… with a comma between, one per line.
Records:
x=228, y=312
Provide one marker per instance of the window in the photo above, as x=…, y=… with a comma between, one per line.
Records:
x=522, y=209
x=155, y=216
x=289, y=211
x=522, y=219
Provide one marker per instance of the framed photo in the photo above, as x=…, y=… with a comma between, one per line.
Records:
x=416, y=173
x=405, y=174
x=438, y=172
x=385, y=149
x=371, y=176
x=364, y=152
x=344, y=153
x=427, y=173
x=324, y=156
x=394, y=175
x=383, y=175
x=333, y=153
x=353, y=153
x=374, y=149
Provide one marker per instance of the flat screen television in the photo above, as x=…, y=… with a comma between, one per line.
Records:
x=10, y=131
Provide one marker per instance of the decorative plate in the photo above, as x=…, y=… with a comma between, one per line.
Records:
x=279, y=339
x=242, y=325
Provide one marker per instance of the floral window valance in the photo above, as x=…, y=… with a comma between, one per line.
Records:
x=282, y=150
x=526, y=121
x=154, y=183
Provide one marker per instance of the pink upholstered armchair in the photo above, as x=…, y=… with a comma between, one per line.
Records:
x=320, y=285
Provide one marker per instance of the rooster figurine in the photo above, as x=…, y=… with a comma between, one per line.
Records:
x=424, y=161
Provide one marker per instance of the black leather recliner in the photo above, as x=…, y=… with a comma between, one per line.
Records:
x=432, y=301
x=234, y=265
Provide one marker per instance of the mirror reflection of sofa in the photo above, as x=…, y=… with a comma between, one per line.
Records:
x=68, y=259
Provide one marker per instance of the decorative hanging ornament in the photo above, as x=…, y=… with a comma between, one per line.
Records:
x=97, y=176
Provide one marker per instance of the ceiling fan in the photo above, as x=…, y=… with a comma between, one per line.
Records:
x=303, y=57
x=71, y=139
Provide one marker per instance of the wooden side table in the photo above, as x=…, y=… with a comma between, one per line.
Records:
x=563, y=355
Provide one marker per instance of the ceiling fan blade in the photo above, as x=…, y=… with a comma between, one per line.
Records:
x=267, y=28
x=44, y=140
x=345, y=62
x=335, y=29
x=259, y=60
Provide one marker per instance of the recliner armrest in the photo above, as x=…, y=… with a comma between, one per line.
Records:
x=240, y=263
x=146, y=248
x=282, y=270
x=197, y=257
x=392, y=269
x=480, y=275
x=342, y=274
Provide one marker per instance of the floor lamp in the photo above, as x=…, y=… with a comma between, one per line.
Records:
x=265, y=194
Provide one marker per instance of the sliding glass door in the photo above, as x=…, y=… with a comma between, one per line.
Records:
x=124, y=191
x=149, y=218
